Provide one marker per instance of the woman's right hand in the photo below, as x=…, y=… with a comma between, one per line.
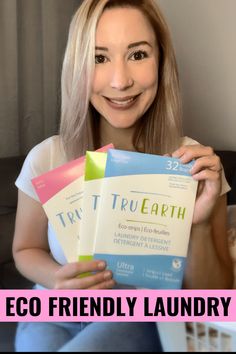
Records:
x=84, y=275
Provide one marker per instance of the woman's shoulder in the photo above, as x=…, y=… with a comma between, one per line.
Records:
x=46, y=146
x=42, y=158
x=186, y=140
x=189, y=141
x=47, y=155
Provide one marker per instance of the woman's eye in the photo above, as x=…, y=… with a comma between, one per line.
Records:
x=100, y=59
x=139, y=55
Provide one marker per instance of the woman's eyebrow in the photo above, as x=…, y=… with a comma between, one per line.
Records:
x=101, y=48
x=131, y=45
x=136, y=44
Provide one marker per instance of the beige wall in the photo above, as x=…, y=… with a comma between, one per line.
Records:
x=204, y=35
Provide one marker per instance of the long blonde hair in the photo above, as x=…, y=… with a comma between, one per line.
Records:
x=160, y=128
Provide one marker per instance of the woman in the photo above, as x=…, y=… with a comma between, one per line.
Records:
x=119, y=85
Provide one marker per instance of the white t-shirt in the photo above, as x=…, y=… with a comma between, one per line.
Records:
x=44, y=157
x=48, y=155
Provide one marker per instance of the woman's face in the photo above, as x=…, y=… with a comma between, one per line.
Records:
x=126, y=70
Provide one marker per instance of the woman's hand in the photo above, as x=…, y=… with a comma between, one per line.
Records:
x=207, y=170
x=84, y=275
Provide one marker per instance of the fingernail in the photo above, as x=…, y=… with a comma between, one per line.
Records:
x=101, y=265
x=107, y=275
x=175, y=154
x=182, y=159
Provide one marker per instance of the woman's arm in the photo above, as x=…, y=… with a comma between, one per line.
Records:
x=33, y=259
x=209, y=264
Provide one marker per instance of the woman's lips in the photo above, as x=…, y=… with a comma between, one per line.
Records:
x=122, y=103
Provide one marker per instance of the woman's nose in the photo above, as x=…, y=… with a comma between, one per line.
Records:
x=121, y=78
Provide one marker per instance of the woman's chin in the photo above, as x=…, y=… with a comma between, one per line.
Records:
x=122, y=124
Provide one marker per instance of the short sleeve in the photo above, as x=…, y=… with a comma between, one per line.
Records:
x=42, y=158
x=23, y=181
x=225, y=188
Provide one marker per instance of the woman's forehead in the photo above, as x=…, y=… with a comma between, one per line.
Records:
x=123, y=24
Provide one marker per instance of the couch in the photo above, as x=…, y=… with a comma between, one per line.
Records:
x=9, y=276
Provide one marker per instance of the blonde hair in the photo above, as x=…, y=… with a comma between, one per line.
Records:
x=160, y=128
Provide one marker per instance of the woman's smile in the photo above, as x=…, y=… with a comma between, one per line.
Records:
x=122, y=103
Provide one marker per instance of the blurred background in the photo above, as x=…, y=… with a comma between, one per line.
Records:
x=203, y=33
x=33, y=35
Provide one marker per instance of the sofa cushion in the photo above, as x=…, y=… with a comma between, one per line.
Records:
x=7, y=334
x=232, y=236
x=9, y=169
x=232, y=194
x=228, y=160
x=10, y=278
x=7, y=221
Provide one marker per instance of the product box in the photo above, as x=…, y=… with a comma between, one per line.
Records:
x=61, y=194
x=145, y=218
x=94, y=173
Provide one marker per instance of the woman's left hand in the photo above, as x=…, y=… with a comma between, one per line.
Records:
x=207, y=170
